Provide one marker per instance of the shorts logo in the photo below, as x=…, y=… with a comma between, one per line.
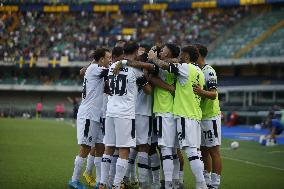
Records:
x=90, y=139
x=180, y=136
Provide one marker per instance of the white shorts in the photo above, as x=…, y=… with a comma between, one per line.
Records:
x=211, y=132
x=189, y=132
x=89, y=132
x=120, y=132
x=167, y=131
x=103, y=123
x=143, y=126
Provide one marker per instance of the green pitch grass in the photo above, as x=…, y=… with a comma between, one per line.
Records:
x=40, y=154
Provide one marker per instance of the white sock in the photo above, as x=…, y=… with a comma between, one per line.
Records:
x=207, y=177
x=78, y=167
x=143, y=167
x=181, y=177
x=168, y=185
x=215, y=179
x=195, y=164
x=176, y=170
x=200, y=157
x=112, y=169
x=133, y=168
x=150, y=176
x=168, y=164
x=90, y=164
x=98, y=162
x=121, y=166
x=155, y=166
x=176, y=167
x=105, y=165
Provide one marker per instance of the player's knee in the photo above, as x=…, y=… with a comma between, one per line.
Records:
x=84, y=150
x=215, y=152
x=143, y=148
x=109, y=150
x=153, y=149
x=204, y=151
x=191, y=153
x=100, y=148
x=180, y=157
x=123, y=153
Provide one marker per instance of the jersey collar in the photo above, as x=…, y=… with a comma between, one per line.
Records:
x=204, y=66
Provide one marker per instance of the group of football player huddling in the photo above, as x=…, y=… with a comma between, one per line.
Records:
x=141, y=108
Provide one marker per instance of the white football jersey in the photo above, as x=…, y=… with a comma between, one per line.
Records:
x=210, y=77
x=92, y=94
x=144, y=104
x=104, y=106
x=123, y=92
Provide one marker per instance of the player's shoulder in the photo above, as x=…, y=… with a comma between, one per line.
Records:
x=196, y=67
x=207, y=67
x=93, y=66
x=208, y=70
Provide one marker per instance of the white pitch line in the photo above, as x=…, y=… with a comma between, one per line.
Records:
x=226, y=148
x=272, y=152
x=252, y=163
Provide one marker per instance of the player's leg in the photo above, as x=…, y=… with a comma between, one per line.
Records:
x=130, y=175
x=125, y=139
x=84, y=137
x=143, y=132
x=109, y=141
x=89, y=168
x=207, y=164
x=206, y=140
x=181, y=173
x=167, y=135
x=188, y=136
x=154, y=162
x=216, y=166
x=113, y=166
x=99, y=151
x=215, y=153
x=176, y=169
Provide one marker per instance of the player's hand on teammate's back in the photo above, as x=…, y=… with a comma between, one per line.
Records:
x=117, y=68
x=197, y=89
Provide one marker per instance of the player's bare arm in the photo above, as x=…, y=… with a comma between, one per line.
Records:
x=134, y=64
x=211, y=94
x=163, y=64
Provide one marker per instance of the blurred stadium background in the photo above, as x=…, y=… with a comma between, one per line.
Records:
x=43, y=45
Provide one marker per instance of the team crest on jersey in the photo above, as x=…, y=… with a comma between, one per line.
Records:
x=211, y=74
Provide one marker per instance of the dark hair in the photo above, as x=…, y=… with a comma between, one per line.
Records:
x=91, y=54
x=99, y=53
x=175, y=50
x=130, y=47
x=203, y=51
x=117, y=51
x=157, y=49
x=143, y=57
x=146, y=47
x=118, y=42
x=192, y=51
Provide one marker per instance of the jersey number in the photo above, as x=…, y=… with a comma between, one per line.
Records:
x=207, y=134
x=117, y=84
